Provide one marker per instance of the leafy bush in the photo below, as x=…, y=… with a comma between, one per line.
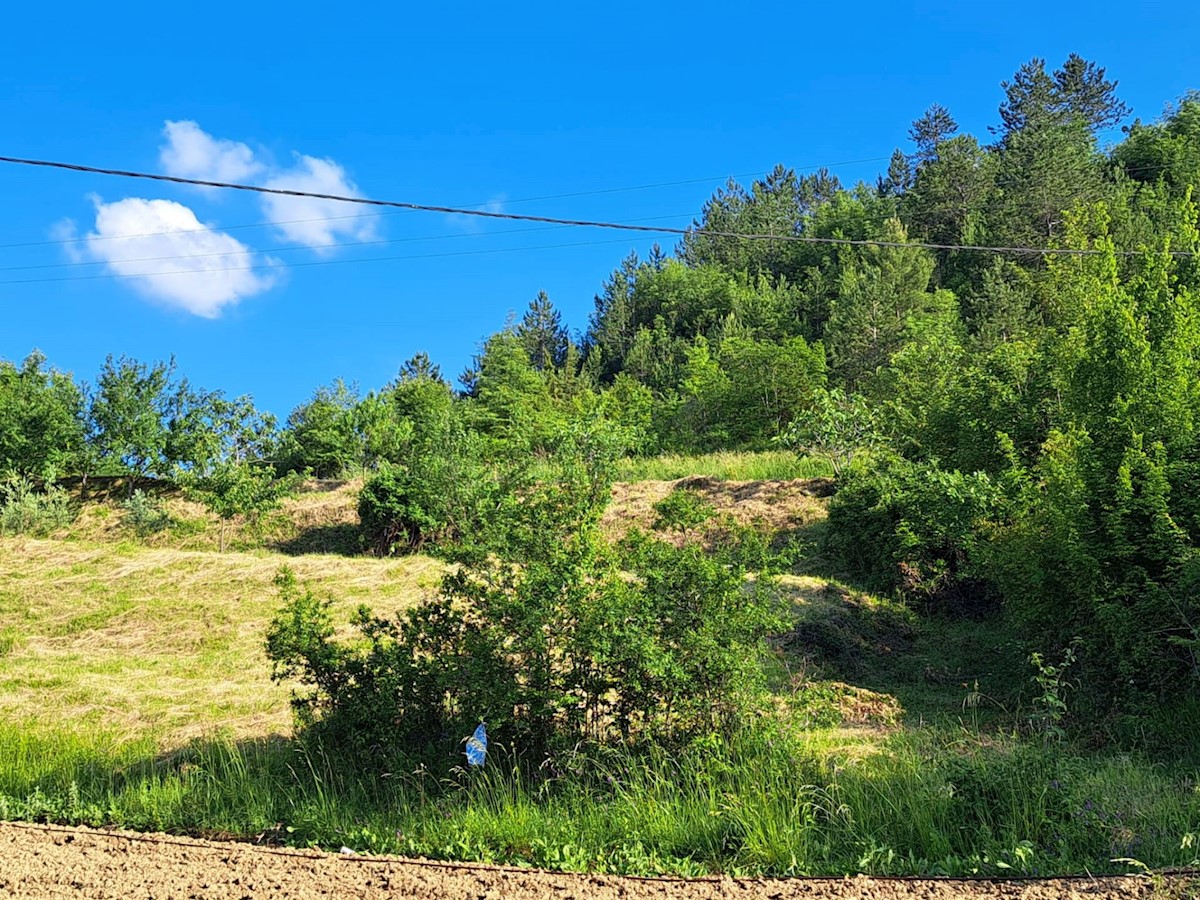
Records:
x=539, y=631
x=24, y=509
x=1092, y=551
x=839, y=427
x=913, y=528
x=431, y=498
x=145, y=514
x=681, y=510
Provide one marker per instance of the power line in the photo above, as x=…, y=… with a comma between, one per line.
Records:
x=507, y=201
x=553, y=220
x=924, y=215
x=315, y=262
x=328, y=246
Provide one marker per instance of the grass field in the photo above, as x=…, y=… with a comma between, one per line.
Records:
x=134, y=690
x=140, y=641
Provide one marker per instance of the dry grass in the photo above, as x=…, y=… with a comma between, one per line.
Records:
x=774, y=506
x=143, y=640
x=163, y=636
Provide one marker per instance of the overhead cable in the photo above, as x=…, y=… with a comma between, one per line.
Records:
x=581, y=223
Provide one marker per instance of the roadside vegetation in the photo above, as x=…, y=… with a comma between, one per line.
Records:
x=801, y=559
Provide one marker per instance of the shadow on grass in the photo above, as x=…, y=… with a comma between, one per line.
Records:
x=343, y=539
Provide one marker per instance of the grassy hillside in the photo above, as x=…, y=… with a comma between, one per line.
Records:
x=134, y=690
x=157, y=641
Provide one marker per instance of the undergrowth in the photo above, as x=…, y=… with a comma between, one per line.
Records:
x=762, y=801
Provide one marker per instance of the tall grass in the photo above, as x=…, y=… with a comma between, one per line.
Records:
x=761, y=802
x=769, y=465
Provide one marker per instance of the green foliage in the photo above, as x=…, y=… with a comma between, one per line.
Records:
x=914, y=528
x=41, y=420
x=511, y=400
x=26, y=508
x=322, y=434
x=145, y=514
x=237, y=489
x=747, y=392
x=681, y=510
x=538, y=631
x=1050, y=706
x=132, y=412
x=837, y=428
x=542, y=334
x=434, y=496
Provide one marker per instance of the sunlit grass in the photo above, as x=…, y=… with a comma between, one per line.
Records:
x=770, y=465
x=139, y=640
x=762, y=802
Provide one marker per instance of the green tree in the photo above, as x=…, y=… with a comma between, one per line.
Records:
x=512, y=401
x=836, y=426
x=130, y=415
x=239, y=489
x=1081, y=91
x=41, y=420
x=775, y=205
x=929, y=131
x=322, y=434
x=880, y=290
x=543, y=334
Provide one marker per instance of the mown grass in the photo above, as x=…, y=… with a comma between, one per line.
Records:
x=769, y=465
x=138, y=640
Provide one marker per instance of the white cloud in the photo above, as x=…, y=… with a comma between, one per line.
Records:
x=191, y=152
x=207, y=269
x=66, y=233
x=317, y=223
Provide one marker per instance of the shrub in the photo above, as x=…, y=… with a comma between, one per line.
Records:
x=539, y=631
x=431, y=498
x=24, y=509
x=681, y=510
x=145, y=514
x=913, y=528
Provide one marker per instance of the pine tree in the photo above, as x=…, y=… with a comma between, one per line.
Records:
x=927, y=132
x=543, y=334
x=1082, y=91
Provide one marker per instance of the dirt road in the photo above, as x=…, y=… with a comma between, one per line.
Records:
x=51, y=861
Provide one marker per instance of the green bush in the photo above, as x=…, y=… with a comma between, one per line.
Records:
x=681, y=510
x=913, y=528
x=145, y=514
x=430, y=499
x=540, y=632
x=24, y=509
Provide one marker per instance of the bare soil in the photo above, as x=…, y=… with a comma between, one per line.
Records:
x=52, y=861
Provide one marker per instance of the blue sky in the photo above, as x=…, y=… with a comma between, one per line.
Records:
x=505, y=106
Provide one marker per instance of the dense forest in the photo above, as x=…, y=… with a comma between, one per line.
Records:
x=997, y=345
